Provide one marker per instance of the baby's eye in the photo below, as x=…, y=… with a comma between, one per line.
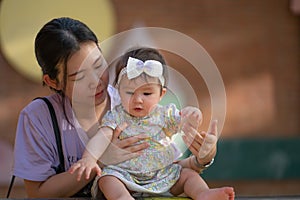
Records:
x=147, y=93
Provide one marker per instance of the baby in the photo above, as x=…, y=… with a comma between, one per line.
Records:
x=141, y=85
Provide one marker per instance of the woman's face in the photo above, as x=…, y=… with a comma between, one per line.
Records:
x=87, y=76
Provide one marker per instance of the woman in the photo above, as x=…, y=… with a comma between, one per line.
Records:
x=73, y=66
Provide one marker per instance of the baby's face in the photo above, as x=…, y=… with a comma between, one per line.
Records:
x=139, y=96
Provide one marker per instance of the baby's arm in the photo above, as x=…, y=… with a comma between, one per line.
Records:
x=191, y=116
x=94, y=150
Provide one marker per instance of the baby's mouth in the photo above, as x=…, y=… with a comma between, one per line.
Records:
x=138, y=109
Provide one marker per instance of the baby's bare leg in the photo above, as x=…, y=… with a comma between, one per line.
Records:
x=195, y=187
x=113, y=188
x=189, y=183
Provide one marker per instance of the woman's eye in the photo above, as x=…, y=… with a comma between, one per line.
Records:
x=98, y=67
x=77, y=78
x=130, y=93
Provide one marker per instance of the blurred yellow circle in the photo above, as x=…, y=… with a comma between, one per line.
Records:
x=21, y=20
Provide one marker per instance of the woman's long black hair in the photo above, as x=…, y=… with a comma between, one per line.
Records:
x=56, y=42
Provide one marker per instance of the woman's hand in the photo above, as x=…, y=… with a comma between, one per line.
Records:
x=122, y=150
x=204, y=144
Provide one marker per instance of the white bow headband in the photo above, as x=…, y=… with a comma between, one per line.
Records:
x=136, y=67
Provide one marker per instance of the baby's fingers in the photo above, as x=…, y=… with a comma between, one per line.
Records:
x=87, y=173
x=98, y=171
x=80, y=172
x=74, y=167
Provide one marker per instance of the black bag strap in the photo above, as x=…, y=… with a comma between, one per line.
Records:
x=61, y=166
x=10, y=185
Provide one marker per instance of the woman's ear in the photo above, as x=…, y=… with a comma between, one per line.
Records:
x=51, y=83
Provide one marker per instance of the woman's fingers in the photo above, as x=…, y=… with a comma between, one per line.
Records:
x=193, y=136
x=193, y=151
x=213, y=128
x=118, y=131
x=137, y=148
x=193, y=139
x=210, y=140
x=128, y=142
x=130, y=156
x=121, y=150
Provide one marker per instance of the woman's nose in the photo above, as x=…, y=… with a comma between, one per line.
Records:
x=94, y=80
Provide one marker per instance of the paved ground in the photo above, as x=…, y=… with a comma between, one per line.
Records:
x=245, y=190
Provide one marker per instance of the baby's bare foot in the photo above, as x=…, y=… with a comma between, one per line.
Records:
x=224, y=193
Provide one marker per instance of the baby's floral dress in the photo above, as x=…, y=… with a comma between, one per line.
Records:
x=153, y=171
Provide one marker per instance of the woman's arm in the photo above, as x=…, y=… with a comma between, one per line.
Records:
x=58, y=186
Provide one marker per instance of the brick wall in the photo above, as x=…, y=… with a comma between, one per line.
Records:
x=255, y=45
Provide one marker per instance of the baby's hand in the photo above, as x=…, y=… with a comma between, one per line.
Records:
x=86, y=164
x=191, y=116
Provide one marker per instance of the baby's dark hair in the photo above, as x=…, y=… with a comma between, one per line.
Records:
x=143, y=54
